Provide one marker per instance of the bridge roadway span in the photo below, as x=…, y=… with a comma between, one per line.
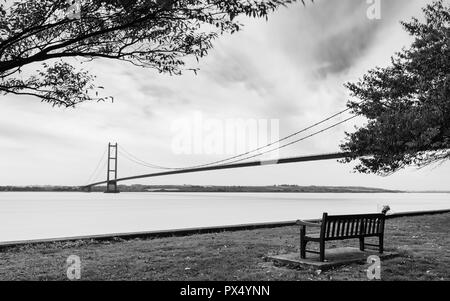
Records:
x=329, y=156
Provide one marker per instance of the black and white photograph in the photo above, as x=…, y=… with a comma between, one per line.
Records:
x=224, y=147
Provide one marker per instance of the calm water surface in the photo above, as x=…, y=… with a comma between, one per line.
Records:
x=36, y=215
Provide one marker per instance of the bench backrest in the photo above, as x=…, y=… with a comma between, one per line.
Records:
x=349, y=226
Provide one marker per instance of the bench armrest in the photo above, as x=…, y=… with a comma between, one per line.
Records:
x=309, y=224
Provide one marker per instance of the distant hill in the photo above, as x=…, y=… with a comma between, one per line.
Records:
x=200, y=188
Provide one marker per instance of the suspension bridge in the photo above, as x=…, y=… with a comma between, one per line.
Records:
x=238, y=161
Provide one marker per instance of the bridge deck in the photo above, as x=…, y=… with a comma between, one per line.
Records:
x=235, y=165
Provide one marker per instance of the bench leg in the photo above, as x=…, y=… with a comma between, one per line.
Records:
x=322, y=251
x=303, y=242
x=361, y=243
x=303, y=249
x=381, y=242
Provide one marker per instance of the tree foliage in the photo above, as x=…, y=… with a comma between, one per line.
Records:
x=407, y=104
x=157, y=34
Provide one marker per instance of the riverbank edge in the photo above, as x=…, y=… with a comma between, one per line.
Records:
x=192, y=231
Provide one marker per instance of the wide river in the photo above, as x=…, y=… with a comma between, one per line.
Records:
x=37, y=215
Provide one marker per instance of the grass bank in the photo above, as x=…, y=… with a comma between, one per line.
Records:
x=423, y=242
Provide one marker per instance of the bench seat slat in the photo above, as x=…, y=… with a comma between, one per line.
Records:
x=350, y=237
x=338, y=228
x=332, y=231
x=345, y=232
x=314, y=252
x=327, y=233
x=347, y=227
x=352, y=232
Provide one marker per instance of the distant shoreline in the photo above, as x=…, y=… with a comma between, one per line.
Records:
x=214, y=188
x=208, y=188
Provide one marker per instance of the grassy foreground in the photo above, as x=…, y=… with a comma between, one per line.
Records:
x=423, y=242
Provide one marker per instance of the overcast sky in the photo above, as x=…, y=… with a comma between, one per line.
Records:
x=290, y=68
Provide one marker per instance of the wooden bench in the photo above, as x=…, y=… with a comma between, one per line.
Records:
x=339, y=227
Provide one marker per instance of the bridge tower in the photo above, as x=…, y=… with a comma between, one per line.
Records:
x=111, y=174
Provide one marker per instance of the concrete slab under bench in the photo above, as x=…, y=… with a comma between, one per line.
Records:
x=333, y=258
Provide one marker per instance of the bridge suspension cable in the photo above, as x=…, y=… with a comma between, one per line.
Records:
x=136, y=160
x=95, y=172
x=293, y=142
